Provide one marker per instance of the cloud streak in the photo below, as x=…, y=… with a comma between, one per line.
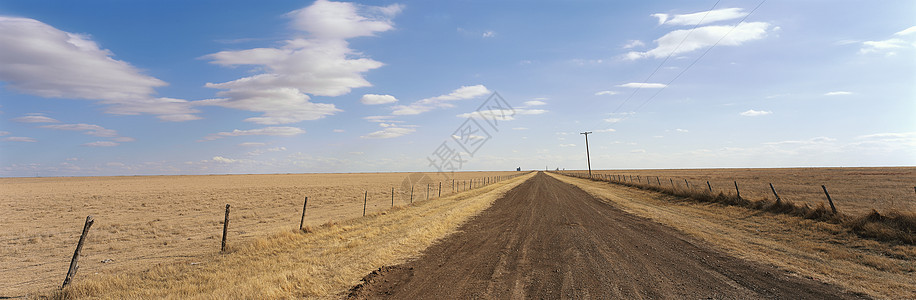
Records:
x=41, y=60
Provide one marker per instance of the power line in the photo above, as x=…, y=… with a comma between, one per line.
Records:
x=701, y=56
x=669, y=56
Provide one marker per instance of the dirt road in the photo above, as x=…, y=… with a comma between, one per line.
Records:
x=548, y=239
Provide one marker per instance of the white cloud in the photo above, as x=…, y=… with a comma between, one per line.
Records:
x=567, y=145
x=606, y=130
x=428, y=104
x=602, y=93
x=270, y=131
x=19, y=139
x=390, y=131
x=702, y=37
x=705, y=16
x=339, y=130
x=535, y=103
x=101, y=144
x=35, y=119
x=322, y=64
x=224, y=160
x=907, y=31
x=89, y=129
x=520, y=128
x=252, y=144
x=262, y=151
x=681, y=130
x=41, y=60
x=373, y=99
x=489, y=34
x=501, y=114
x=643, y=85
x=633, y=44
x=341, y=20
x=755, y=113
x=885, y=46
x=280, y=105
x=838, y=93
x=613, y=120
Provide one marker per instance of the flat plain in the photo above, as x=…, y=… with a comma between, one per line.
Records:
x=144, y=221
x=855, y=191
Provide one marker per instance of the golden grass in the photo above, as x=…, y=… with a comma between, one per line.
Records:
x=810, y=248
x=855, y=191
x=292, y=264
x=143, y=221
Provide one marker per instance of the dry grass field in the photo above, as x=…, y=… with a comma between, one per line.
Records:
x=855, y=191
x=145, y=221
x=808, y=248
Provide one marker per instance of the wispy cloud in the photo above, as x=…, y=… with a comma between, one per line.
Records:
x=41, y=60
x=390, y=131
x=633, y=44
x=19, y=139
x=755, y=113
x=535, y=103
x=35, y=119
x=837, y=93
x=683, y=41
x=703, y=17
x=428, y=104
x=602, y=93
x=643, y=85
x=101, y=144
x=489, y=34
x=89, y=129
x=268, y=131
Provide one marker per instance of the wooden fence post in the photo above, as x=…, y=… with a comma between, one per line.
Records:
x=687, y=182
x=709, y=186
x=302, y=220
x=672, y=182
x=411, y=194
x=440, y=190
x=774, y=193
x=833, y=208
x=222, y=247
x=74, y=262
x=427, y=191
x=736, y=189
x=392, y=197
x=659, y=181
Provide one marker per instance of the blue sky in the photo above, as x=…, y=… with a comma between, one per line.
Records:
x=212, y=87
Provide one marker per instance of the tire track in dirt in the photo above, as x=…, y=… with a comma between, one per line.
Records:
x=549, y=239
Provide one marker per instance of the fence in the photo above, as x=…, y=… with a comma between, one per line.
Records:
x=893, y=226
x=418, y=191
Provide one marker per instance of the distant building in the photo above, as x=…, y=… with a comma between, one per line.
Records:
x=518, y=169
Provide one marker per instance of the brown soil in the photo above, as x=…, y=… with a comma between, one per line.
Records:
x=549, y=239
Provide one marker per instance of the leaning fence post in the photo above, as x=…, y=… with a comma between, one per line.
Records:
x=74, y=265
x=302, y=220
x=774, y=193
x=672, y=182
x=709, y=186
x=833, y=208
x=687, y=182
x=736, y=189
x=365, y=200
x=222, y=247
x=659, y=181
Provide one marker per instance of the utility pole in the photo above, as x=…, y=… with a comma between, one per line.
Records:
x=587, y=156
